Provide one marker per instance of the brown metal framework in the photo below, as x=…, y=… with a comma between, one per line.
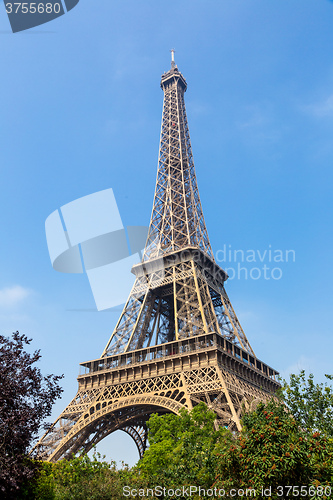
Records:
x=178, y=340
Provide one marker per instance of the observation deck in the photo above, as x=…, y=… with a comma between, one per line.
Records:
x=178, y=356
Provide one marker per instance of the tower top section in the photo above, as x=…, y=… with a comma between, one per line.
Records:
x=177, y=220
x=173, y=76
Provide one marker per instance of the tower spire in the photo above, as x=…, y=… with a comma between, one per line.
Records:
x=177, y=219
x=173, y=64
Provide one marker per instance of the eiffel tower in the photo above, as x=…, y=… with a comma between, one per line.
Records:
x=178, y=340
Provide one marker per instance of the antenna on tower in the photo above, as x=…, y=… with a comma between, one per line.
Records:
x=173, y=58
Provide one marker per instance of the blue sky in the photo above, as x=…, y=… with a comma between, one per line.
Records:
x=80, y=112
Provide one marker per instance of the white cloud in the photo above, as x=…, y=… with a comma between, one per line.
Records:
x=254, y=116
x=259, y=122
x=14, y=295
x=197, y=108
x=321, y=109
x=303, y=363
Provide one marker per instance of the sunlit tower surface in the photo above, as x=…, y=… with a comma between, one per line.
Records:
x=178, y=340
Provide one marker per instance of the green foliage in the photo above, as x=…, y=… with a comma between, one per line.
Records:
x=285, y=442
x=182, y=448
x=273, y=450
x=182, y=452
x=41, y=486
x=82, y=478
x=311, y=404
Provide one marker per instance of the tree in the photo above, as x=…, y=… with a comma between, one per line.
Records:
x=84, y=478
x=182, y=448
x=26, y=398
x=311, y=404
x=274, y=451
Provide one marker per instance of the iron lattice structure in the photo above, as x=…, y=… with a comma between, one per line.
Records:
x=178, y=340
